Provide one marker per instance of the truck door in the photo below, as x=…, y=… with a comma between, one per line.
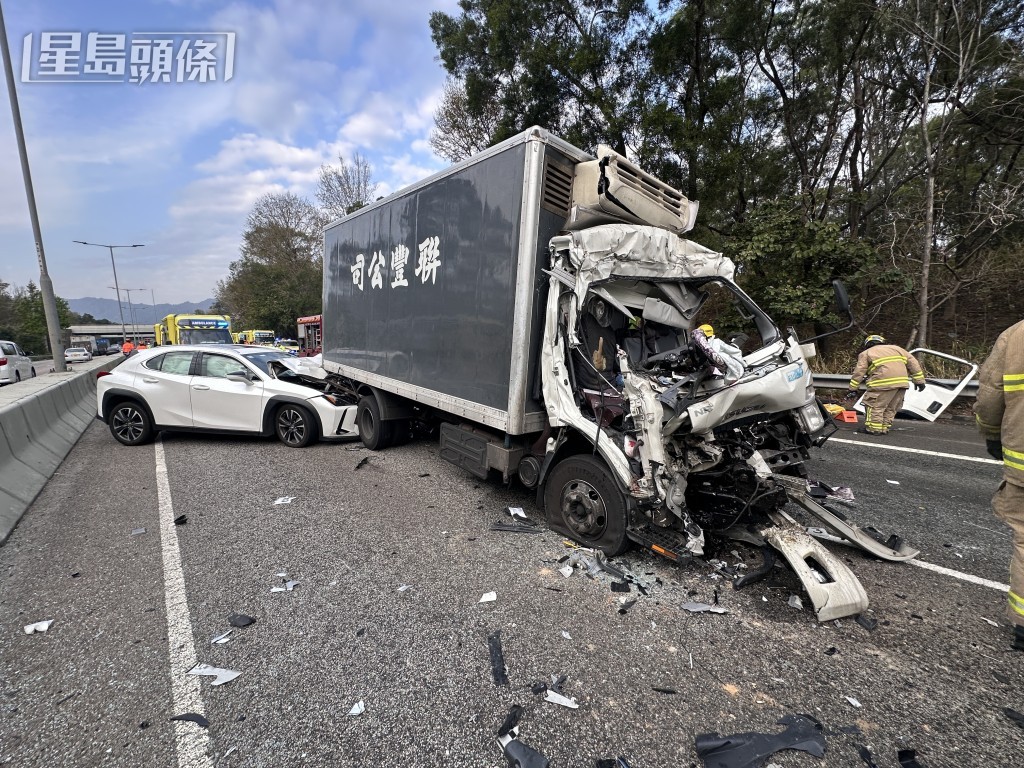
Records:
x=218, y=402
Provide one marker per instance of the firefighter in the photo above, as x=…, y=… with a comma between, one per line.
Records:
x=889, y=370
x=999, y=411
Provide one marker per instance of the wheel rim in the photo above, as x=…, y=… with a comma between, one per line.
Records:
x=127, y=424
x=583, y=509
x=291, y=426
x=366, y=425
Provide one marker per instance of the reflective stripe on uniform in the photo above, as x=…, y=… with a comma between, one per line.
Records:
x=1016, y=603
x=888, y=383
x=884, y=360
x=985, y=424
x=1013, y=382
x=854, y=384
x=919, y=376
x=1013, y=458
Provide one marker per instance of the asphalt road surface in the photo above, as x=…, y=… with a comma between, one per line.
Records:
x=133, y=613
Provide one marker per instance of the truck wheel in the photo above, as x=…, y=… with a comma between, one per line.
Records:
x=130, y=424
x=294, y=426
x=582, y=497
x=374, y=433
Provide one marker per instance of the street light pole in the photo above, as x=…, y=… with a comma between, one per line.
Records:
x=124, y=337
x=152, y=297
x=129, y=291
x=45, y=284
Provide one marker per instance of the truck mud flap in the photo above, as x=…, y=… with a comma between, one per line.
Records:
x=892, y=548
x=833, y=588
x=662, y=542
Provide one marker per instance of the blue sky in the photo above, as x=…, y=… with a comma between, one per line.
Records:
x=177, y=166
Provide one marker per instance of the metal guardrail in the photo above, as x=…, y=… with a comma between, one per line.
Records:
x=841, y=381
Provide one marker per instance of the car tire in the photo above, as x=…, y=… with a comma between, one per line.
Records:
x=33, y=372
x=17, y=376
x=582, y=499
x=375, y=433
x=294, y=426
x=130, y=423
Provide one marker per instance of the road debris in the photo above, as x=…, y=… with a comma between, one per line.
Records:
x=362, y=463
x=192, y=717
x=832, y=651
x=517, y=513
x=229, y=752
x=867, y=622
x=612, y=762
x=220, y=676
x=516, y=528
x=288, y=586
x=566, y=635
x=488, y=597
x=1004, y=679
x=138, y=531
x=819, y=490
x=749, y=750
x=853, y=702
x=666, y=691
x=796, y=602
x=221, y=638
x=989, y=621
x=702, y=608
x=1014, y=715
x=556, y=698
x=566, y=570
x=240, y=620
x=908, y=758
x=285, y=499
x=39, y=626
x=357, y=709
x=620, y=586
x=893, y=482
x=520, y=755
x=181, y=520
x=867, y=757
x=498, y=669
x=624, y=608
x=404, y=587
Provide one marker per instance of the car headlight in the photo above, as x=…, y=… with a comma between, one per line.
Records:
x=810, y=417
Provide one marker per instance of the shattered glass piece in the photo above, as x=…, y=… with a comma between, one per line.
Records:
x=240, y=620
x=404, y=587
x=39, y=626
x=853, y=702
x=357, y=709
x=566, y=635
x=908, y=758
x=1014, y=715
x=284, y=499
x=556, y=698
x=498, y=669
x=796, y=602
x=220, y=676
x=230, y=752
x=192, y=717
x=865, y=755
x=511, y=720
x=181, y=519
x=867, y=622
x=488, y=597
x=221, y=638
x=749, y=750
x=138, y=531
x=702, y=608
x=566, y=570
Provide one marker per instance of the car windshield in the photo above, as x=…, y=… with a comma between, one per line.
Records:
x=205, y=336
x=261, y=359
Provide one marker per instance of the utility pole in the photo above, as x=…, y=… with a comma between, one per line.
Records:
x=45, y=284
x=113, y=266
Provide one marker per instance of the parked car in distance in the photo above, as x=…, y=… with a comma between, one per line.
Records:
x=15, y=364
x=291, y=346
x=225, y=389
x=77, y=355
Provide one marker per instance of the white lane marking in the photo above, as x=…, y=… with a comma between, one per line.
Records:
x=960, y=575
x=193, y=741
x=916, y=450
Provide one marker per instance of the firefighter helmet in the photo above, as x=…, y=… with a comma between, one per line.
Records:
x=873, y=339
x=707, y=329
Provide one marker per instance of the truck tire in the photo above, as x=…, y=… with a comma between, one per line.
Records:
x=375, y=433
x=130, y=424
x=294, y=426
x=581, y=497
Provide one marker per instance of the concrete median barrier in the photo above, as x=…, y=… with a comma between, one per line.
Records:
x=40, y=422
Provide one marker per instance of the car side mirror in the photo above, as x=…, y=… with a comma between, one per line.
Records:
x=240, y=376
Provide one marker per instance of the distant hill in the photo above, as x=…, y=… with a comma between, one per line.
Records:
x=106, y=309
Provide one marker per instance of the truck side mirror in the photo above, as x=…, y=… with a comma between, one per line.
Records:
x=842, y=297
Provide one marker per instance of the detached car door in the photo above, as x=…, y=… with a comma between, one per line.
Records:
x=222, y=403
x=164, y=383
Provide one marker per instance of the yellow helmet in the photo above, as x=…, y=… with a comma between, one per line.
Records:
x=706, y=329
x=873, y=339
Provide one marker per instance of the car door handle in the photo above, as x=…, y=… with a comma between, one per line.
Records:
x=151, y=381
x=199, y=386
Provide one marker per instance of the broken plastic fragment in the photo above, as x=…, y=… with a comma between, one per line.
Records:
x=511, y=720
x=867, y=622
x=893, y=482
x=517, y=512
x=619, y=762
x=39, y=626
x=138, y=531
x=1014, y=715
x=853, y=702
x=222, y=638
x=284, y=499
x=908, y=758
x=566, y=570
x=181, y=519
x=832, y=651
x=358, y=708
x=362, y=463
x=192, y=717
x=796, y=602
x=488, y=597
x=287, y=587
x=668, y=691
x=220, y=676
x=702, y=608
x=865, y=755
x=556, y=698
x=748, y=750
x=620, y=586
x=498, y=669
x=520, y=755
x=626, y=606
x=404, y=587
x=566, y=635
x=989, y=621
x=230, y=752
x=240, y=620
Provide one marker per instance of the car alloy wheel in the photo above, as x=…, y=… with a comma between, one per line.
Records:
x=294, y=426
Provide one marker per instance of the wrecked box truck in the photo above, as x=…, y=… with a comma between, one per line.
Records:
x=541, y=310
